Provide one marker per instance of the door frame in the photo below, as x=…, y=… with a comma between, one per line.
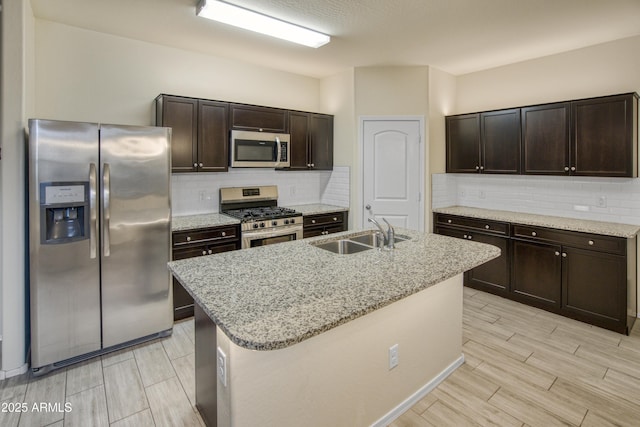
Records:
x=421, y=122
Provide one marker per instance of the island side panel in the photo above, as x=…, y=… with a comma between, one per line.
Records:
x=205, y=363
x=342, y=376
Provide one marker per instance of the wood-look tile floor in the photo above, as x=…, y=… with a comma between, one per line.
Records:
x=523, y=367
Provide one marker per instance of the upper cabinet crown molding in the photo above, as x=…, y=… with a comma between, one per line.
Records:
x=587, y=137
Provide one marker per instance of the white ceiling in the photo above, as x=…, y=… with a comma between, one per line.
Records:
x=456, y=36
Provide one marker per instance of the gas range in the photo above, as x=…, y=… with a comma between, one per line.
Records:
x=262, y=221
x=264, y=217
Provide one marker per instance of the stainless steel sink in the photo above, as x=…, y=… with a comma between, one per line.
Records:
x=343, y=247
x=374, y=238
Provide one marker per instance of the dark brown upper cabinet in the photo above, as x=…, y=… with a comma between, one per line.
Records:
x=545, y=139
x=605, y=136
x=484, y=142
x=589, y=137
x=199, y=141
x=311, y=141
x=260, y=119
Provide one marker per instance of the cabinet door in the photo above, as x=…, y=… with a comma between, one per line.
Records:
x=594, y=286
x=181, y=115
x=603, y=141
x=500, y=141
x=463, y=143
x=545, y=139
x=251, y=117
x=492, y=276
x=213, y=136
x=321, y=141
x=537, y=273
x=299, y=131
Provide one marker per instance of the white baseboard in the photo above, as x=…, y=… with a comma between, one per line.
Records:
x=14, y=372
x=419, y=394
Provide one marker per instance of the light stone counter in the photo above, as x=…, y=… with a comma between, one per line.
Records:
x=274, y=296
x=190, y=222
x=317, y=208
x=561, y=223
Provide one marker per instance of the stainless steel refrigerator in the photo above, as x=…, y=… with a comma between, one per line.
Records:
x=99, y=238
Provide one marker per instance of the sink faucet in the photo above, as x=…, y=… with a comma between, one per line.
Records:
x=389, y=235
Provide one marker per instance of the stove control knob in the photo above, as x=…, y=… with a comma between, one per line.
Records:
x=292, y=221
x=286, y=221
x=262, y=225
x=255, y=225
x=274, y=223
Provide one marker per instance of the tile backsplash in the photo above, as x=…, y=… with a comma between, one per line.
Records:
x=197, y=193
x=599, y=199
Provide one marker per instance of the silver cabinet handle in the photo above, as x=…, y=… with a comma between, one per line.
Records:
x=557, y=253
x=201, y=164
x=591, y=242
x=534, y=234
x=93, y=210
x=313, y=165
x=470, y=237
x=335, y=218
x=204, y=252
x=573, y=168
x=223, y=234
x=195, y=165
x=106, y=209
x=448, y=221
x=487, y=227
x=566, y=168
x=477, y=168
x=481, y=168
x=210, y=251
x=313, y=221
x=188, y=238
x=564, y=254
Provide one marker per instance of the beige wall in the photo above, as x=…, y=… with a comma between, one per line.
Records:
x=341, y=377
x=386, y=91
x=89, y=76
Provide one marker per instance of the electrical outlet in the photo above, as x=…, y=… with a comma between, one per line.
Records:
x=221, y=367
x=393, y=356
x=202, y=195
x=482, y=194
x=602, y=201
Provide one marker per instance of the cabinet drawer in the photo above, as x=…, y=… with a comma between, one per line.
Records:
x=208, y=235
x=323, y=219
x=596, y=242
x=192, y=251
x=473, y=223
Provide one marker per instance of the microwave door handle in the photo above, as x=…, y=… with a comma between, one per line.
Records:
x=278, y=149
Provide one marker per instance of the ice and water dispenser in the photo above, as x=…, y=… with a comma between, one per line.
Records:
x=64, y=212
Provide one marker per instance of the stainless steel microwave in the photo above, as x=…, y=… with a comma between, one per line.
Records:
x=259, y=149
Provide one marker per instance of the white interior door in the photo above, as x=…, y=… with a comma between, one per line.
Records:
x=393, y=161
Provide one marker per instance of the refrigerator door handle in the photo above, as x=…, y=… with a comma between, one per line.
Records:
x=106, y=194
x=93, y=211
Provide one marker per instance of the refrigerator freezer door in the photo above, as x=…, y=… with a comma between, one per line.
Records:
x=135, y=232
x=64, y=277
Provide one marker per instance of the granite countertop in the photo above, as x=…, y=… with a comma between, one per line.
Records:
x=191, y=222
x=561, y=223
x=275, y=296
x=317, y=208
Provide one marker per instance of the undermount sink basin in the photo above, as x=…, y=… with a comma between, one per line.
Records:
x=343, y=247
x=356, y=243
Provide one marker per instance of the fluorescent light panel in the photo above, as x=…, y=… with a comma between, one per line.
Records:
x=254, y=21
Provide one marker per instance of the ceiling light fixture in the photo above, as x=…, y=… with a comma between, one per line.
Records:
x=254, y=21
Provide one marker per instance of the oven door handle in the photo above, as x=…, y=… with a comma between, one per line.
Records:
x=272, y=233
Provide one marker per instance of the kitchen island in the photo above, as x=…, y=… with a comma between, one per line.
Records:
x=303, y=335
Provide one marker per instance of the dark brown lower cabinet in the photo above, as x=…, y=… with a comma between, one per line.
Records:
x=326, y=223
x=492, y=276
x=537, y=273
x=194, y=243
x=588, y=277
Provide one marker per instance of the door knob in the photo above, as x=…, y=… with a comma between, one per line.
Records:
x=368, y=207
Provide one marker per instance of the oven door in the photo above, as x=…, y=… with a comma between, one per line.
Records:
x=253, y=238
